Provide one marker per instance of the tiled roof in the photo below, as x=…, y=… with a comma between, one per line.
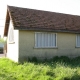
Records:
x=30, y=19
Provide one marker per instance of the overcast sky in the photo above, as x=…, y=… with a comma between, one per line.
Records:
x=62, y=6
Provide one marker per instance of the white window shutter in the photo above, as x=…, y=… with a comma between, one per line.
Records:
x=54, y=40
x=39, y=40
x=45, y=40
x=11, y=35
x=78, y=40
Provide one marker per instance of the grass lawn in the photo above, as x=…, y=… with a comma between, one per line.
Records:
x=59, y=68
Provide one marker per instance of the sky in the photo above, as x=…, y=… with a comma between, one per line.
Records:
x=61, y=6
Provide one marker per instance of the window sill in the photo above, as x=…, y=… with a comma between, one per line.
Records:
x=46, y=47
x=77, y=47
x=11, y=42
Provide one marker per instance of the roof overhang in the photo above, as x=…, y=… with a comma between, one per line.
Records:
x=7, y=23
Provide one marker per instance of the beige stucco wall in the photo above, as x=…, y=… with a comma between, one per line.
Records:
x=66, y=46
x=13, y=48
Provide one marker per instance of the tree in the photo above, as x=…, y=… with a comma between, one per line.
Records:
x=2, y=40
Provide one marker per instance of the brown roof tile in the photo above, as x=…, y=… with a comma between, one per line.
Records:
x=30, y=19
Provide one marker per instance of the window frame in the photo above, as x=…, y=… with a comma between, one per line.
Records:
x=77, y=40
x=46, y=46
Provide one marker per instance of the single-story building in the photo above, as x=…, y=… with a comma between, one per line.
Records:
x=41, y=34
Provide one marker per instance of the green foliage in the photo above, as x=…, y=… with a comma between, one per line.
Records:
x=1, y=50
x=59, y=68
x=33, y=59
x=61, y=59
x=2, y=40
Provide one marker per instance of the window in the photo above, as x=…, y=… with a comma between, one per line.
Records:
x=78, y=40
x=11, y=36
x=44, y=40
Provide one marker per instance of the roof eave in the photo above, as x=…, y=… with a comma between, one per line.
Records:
x=47, y=30
x=7, y=23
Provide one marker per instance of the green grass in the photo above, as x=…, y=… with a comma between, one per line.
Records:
x=59, y=68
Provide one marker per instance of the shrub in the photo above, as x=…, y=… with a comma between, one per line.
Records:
x=34, y=59
x=56, y=58
x=10, y=70
x=64, y=59
x=61, y=59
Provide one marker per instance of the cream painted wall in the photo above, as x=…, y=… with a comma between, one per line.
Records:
x=13, y=48
x=66, y=46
